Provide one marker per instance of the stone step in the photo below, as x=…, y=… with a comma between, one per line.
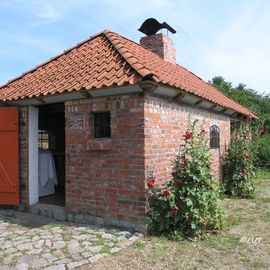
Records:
x=47, y=210
x=60, y=214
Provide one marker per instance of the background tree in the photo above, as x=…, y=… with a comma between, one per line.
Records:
x=257, y=103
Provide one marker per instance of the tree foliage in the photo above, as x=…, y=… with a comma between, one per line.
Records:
x=257, y=103
x=249, y=98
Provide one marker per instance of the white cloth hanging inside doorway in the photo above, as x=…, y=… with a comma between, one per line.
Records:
x=46, y=168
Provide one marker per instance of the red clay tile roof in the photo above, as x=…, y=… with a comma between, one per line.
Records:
x=108, y=59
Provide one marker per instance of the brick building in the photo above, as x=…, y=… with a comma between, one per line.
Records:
x=108, y=109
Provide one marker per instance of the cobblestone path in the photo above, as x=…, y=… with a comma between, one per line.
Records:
x=34, y=242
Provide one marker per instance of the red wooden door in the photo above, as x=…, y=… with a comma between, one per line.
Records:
x=9, y=156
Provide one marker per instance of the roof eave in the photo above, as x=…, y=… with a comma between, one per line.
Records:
x=184, y=97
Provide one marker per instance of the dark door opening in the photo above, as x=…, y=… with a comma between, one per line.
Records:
x=51, y=143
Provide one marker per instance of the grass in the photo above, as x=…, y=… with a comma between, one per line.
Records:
x=105, y=250
x=98, y=240
x=139, y=245
x=263, y=174
x=244, y=243
x=55, y=225
x=8, y=216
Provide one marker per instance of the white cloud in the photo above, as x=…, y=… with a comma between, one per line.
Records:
x=228, y=38
x=239, y=50
x=50, y=14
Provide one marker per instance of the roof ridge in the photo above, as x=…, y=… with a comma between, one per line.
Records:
x=52, y=59
x=135, y=64
x=130, y=58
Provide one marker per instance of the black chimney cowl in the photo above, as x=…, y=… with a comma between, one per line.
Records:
x=151, y=26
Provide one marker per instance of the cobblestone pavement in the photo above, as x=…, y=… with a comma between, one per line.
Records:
x=34, y=242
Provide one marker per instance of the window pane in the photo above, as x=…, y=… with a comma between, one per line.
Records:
x=43, y=139
x=214, y=136
x=102, y=125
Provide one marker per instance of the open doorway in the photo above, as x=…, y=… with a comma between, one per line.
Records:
x=51, y=143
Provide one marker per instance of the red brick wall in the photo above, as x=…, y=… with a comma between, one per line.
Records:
x=165, y=124
x=105, y=177
x=162, y=45
x=23, y=155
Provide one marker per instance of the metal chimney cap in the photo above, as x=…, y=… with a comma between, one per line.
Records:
x=151, y=26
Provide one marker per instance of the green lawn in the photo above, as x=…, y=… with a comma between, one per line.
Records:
x=244, y=243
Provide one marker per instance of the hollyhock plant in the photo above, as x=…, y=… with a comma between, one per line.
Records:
x=150, y=179
x=238, y=162
x=188, y=204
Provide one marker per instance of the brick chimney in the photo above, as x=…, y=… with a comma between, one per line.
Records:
x=162, y=45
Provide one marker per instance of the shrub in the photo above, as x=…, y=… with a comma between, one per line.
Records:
x=238, y=163
x=188, y=205
x=264, y=149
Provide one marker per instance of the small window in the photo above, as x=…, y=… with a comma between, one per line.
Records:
x=102, y=125
x=46, y=140
x=214, y=137
x=43, y=139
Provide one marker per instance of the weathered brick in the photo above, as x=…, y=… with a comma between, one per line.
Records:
x=164, y=137
x=23, y=155
x=106, y=178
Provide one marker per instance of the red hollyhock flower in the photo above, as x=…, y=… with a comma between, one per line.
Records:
x=261, y=130
x=187, y=136
x=166, y=192
x=151, y=183
x=174, y=211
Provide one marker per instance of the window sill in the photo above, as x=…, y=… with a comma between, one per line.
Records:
x=99, y=145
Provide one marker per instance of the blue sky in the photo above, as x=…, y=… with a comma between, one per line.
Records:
x=229, y=38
